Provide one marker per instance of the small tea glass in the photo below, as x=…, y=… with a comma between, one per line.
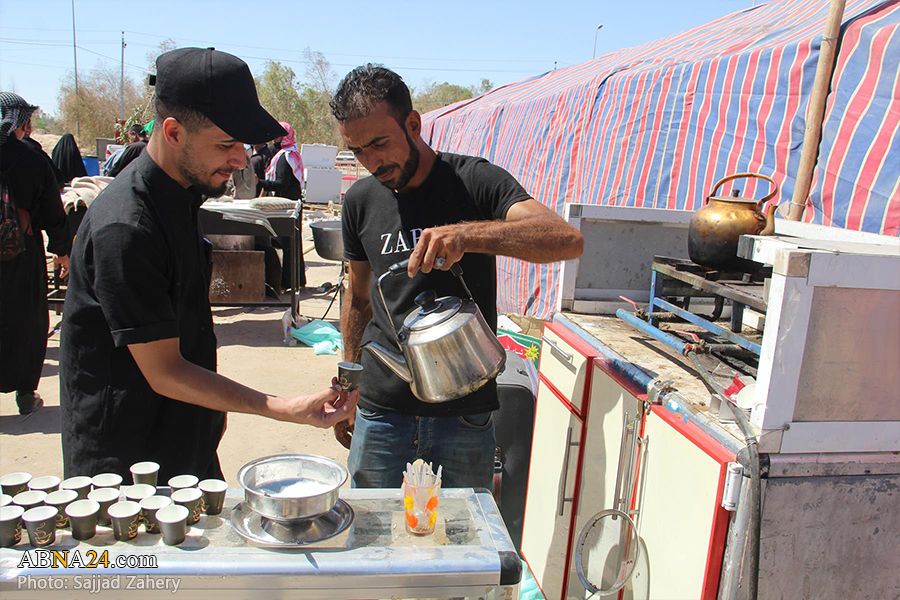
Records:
x=420, y=504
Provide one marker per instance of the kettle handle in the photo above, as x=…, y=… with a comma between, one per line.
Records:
x=400, y=267
x=456, y=269
x=394, y=269
x=759, y=203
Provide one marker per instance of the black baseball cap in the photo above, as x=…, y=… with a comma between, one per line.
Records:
x=219, y=86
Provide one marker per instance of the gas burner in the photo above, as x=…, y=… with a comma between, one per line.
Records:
x=296, y=533
x=678, y=278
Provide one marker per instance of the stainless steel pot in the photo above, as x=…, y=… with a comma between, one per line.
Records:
x=328, y=239
x=287, y=487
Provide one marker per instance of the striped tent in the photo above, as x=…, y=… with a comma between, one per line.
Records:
x=658, y=125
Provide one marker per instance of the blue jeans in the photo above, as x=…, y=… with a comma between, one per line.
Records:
x=384, y=441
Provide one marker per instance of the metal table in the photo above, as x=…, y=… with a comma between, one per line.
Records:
x=469, y=555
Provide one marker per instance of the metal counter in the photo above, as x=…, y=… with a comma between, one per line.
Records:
x=469, y=555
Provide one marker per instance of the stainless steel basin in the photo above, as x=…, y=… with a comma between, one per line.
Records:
x=287, y=487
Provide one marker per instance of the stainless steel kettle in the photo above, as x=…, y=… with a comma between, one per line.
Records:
x=448, y=349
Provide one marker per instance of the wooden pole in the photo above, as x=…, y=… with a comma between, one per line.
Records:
x=815, y=113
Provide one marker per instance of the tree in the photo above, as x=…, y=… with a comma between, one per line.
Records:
x=303, y=105
x=93, y=112
x=435, y=96
x=278, y=92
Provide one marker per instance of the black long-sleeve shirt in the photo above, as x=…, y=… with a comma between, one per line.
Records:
x=285, y=184
x=131, y=152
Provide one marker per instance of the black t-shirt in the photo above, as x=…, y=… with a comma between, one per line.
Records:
x=382, y=226
x=139, y=273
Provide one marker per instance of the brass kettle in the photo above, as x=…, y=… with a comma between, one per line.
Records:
x=716, y=228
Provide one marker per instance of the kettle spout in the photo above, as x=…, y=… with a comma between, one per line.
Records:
x=395, y=362
x=769, y=229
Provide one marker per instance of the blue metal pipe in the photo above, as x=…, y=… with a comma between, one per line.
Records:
x=644, y=327
x=708, y=325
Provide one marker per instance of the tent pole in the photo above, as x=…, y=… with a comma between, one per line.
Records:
x=815, y=113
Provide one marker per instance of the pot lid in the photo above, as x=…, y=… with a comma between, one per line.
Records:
x=431, y=311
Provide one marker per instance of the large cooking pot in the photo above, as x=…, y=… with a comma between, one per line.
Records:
x=716, y=228
x=328, y=239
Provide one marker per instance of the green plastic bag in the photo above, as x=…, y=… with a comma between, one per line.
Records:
x=322, y=336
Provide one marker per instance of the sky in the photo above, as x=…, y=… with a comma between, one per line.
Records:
x=461, y=42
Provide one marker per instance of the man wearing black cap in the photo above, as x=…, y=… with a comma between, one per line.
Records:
x=138, y=353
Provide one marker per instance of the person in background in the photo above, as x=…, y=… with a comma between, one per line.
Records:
x=259, y=161
x=137, y=144
x=284, y=174
x=137, y=361
x=423, y=205
x=36, y=146
x=244, y=181
x=67, y=159
x=31, y=185
x=284, y=178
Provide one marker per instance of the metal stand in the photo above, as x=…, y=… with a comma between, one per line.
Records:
x=295, y=250
x=673, y=277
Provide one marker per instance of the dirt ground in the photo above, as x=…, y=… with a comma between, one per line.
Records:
x=251, y=352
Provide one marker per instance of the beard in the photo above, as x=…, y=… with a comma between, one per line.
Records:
x=195, y=176
x=406, y=171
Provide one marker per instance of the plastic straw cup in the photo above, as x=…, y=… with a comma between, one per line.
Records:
x=420, y=504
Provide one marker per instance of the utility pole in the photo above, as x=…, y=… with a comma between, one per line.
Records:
x=75, y=57
x=122, y=83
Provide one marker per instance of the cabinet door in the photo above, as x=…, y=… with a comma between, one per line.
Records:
x=551, y=481
x=681, y=519
x=609, y=404
x=564, y=366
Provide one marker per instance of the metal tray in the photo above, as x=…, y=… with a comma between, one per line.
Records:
x=269, y=533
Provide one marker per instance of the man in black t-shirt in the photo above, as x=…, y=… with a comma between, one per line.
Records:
x=138, y=351
x=423, y=206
